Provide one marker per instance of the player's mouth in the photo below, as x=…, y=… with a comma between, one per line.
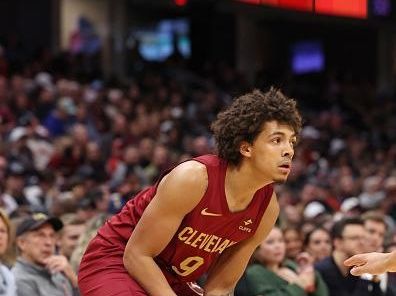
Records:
x=285, y=167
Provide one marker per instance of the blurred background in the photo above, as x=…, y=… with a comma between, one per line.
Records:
x=97, y=98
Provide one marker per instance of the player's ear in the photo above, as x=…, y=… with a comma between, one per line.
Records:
x=245, y=149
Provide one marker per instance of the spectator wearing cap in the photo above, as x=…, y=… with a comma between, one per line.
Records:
x=372, y=194
x=19, y=149
x=38, y=142
x=38, y=271
x=351, y=207
x=319, y=213
x=42, y=195
x=13, y=198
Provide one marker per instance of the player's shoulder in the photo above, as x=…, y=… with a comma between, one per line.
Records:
x=189, y=174
x=190, y=178
x=190, y=171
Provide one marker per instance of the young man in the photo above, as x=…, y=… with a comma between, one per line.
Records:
x=207, y=215
x=348, y=235
x=67, y=240
x=376, y=228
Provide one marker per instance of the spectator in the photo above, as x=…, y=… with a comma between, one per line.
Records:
x=273, y=274
x=317, y=243
x=348, y=237
x=293, y=242
x=376, y=227
x=90, y=231
x=14, y=199
x=70, y=233
x=7, y=281
x=129, y=164
x=38, y=271
x=61, y=118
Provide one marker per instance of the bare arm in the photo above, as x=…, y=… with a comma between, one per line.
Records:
x=232, y=263
x=374, y=263
x=178, y=193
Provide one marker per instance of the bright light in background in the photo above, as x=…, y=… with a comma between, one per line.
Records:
x=382, y=7
x=158, y=41
x=181, y=2
x=346, y=8
x=351, y=8
x=296, y=4
x=307, y=57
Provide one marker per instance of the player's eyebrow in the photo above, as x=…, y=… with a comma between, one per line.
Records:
x=278, y=133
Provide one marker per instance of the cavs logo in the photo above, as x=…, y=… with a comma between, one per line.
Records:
x=245, y=225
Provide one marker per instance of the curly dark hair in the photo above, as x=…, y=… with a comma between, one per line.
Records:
x=243, y=120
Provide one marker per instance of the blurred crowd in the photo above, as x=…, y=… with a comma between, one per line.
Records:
x=77, y=148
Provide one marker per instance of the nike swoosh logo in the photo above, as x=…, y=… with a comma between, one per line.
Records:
x=205, y=212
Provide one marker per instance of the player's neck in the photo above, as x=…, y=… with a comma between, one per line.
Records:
x=240, y=187
x=246, y=177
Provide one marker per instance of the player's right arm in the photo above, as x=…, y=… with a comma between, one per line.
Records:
x=177, y=194
x=373, y=263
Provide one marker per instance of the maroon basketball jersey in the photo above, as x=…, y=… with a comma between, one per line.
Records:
x=204, y=233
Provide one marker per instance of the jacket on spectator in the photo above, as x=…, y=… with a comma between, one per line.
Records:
x=34, y=280
x=262, y=281
x=7, y=282
x=349, y=285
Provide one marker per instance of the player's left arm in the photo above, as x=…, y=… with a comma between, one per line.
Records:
x=230, y=266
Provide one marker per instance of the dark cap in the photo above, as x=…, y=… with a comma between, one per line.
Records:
x=35, y=221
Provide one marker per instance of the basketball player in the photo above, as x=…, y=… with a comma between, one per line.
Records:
x=373, y=263
x=205, y=216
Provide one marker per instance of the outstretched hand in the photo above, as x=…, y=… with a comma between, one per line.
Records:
x=373, y=263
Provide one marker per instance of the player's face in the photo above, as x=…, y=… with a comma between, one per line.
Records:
x=273, y=150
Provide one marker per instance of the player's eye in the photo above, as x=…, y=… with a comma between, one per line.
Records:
x=276, y=140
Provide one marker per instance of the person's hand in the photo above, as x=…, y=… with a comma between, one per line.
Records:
x=373, y=263
x=306, y=279
x=306, y=272
x=304, y=261
x=287, y=274
x=57, y=263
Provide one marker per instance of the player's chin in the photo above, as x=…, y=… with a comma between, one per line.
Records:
x=280, y=179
